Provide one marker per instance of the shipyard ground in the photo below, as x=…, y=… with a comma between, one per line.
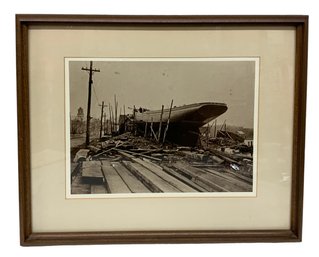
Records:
x=132, y=164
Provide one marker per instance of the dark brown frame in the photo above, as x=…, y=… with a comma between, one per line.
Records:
x=29, y=238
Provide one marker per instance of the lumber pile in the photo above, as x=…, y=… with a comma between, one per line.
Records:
x=130, y=164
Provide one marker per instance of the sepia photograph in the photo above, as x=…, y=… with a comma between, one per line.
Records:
x=136, y=126
x=193, y=125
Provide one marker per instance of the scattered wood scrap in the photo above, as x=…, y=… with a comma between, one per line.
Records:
x=128, y=164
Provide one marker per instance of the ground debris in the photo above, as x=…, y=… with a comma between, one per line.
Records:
x=139, y=160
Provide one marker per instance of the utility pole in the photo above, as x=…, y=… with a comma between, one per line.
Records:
x=115, y=120
x=104, y=124
x=110, y=118
x=102, y=109
x=134, y=127
x=88, y=117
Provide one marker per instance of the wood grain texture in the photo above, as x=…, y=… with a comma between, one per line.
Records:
x=114, y=182
x=132, y=182
x=23, y=130
x=299, y=127
x=28, y=238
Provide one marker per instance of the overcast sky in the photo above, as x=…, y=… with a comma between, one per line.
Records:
x=152, y=83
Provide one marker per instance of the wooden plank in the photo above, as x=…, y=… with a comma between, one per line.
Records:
x=225, y=156
x=234, y=180
x=130, y=154
x=79, y=187
x=148, y=178
x=184, y=179
x=206, y=165
x=92, y=172
x=92, y=169
x=152, y=163
x=98, y=189
x=195, y=156
x=200, y=177
x=243, y=156
x=217, y=159
x=88, y=164
x=75, y=169
x=149, y=184
x=225, y=183
x=130, y=180
x=114, y=182
x=242, y=177
x=168, y=178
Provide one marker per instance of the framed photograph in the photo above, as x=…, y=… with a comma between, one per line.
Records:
x=161, y=129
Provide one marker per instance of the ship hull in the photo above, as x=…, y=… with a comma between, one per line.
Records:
x=184, y=122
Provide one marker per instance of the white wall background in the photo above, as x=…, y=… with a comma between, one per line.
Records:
x=9, y=217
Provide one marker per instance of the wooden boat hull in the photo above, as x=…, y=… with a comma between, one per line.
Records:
x=185, y=121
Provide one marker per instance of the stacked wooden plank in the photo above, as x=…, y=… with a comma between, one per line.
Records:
x=92, y=177
x=211, y=180
x=144, y=175
x=92, y=172
x=134, y=184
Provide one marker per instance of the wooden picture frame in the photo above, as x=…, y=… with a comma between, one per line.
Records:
x=30, y=238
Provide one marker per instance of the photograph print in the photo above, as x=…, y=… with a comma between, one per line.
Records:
x=159, y=126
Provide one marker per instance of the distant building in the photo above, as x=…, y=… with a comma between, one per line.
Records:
x=80, y=115
x=77, y=123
